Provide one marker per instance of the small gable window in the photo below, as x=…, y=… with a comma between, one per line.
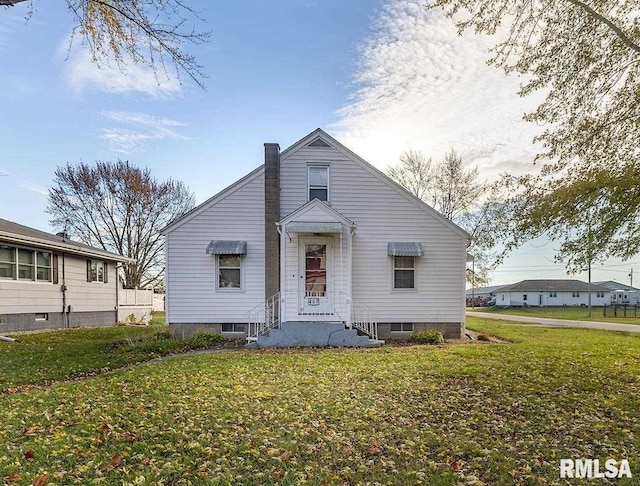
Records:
x=318, y=182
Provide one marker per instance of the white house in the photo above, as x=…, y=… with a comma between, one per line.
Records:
x=552, y=293
x=316, y=246
x=621, y=294
x=48, y=281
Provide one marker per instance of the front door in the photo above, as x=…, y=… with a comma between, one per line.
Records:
x=315, y=290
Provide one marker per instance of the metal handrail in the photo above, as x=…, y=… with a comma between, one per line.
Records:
x=264, y=317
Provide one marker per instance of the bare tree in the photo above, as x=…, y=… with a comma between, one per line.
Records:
x=459, y=196
x=151, y=32
x=414, y=173
x=455, y=190
x=119, y=208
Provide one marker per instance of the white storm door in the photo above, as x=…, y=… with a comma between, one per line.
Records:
x=316, y=277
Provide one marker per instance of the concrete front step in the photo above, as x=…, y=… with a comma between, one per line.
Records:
x=314, y=334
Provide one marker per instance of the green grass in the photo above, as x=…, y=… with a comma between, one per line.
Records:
x=65, y=354
x=570, y=313
x=504, y=413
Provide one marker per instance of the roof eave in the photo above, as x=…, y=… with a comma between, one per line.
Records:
x=61, y=246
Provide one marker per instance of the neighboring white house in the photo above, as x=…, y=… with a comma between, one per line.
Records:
x=552, y=293
x=318, y=236
x=621, y=293
x=48, y=281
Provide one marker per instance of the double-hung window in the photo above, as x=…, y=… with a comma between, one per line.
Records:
x=318, y=182
x=229, y=271
x=97, y=271
x=404, y=272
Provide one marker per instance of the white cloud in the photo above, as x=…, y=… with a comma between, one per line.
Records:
x=421, y=86
x=33, y=187
x=141, y=129
x=83, y=73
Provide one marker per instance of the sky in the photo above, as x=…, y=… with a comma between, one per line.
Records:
x=383, y=77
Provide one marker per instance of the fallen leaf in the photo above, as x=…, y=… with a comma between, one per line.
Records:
x=454, y=465
x=29, y=454
x=30, y=431
x=14, y=477
x=285, y=455
x=41, y=480
x=113, y=463
x=374, y=449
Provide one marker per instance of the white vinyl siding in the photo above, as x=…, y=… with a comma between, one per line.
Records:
x=192, y=277
x=382, y=214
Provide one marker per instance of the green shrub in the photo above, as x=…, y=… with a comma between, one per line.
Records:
x=203, y=339
x=427, y=337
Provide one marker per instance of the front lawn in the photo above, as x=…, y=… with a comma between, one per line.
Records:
x=494, y=414
x=70, y=353
x=570, y=313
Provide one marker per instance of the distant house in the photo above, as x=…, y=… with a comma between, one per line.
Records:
x=48, y=281
x=488, y=293
x=621, y=293
x=315, y=247
x=552, y=293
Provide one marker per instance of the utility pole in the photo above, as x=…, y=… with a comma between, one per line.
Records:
x=589, y=256
x=631, y=278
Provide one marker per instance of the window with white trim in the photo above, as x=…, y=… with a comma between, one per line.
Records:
x=229, y=272
x=96, y=271
x=599, y=295
x=553, y=294
x=402, y=327
x=575, y=294
x=318, y=182
x=25, y=264
x=404, y=272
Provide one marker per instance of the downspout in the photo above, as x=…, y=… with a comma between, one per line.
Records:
x=117, y=293
x=65, y=316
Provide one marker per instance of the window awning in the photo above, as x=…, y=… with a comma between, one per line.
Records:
x=227, y=247
x=405, y=249
x=313, y=227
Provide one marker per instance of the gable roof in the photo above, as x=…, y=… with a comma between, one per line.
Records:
x=613, y=285
x=490, y=289
x=318, y=133
x=19, y=234
x=552, y=285
x=212, y=200
x=317, y=203
x=313, y=138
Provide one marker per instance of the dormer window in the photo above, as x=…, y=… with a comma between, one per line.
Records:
x=318, y=179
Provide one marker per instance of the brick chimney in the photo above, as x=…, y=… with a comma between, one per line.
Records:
x=271, y=217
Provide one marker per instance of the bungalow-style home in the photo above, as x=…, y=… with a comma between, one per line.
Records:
x=48, y=281
x=315, y=247
x=552, y=293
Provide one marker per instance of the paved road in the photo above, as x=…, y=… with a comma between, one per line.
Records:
x=609, y=326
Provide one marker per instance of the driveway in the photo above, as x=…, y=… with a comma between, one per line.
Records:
x=608, y=326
